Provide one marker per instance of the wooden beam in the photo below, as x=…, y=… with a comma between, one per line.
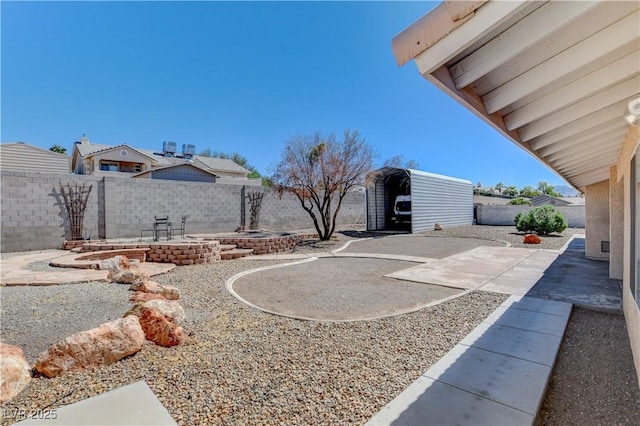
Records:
x=605, y=129
x=442, y=79
x=591, y=121
x=618, y=94
x=609, y=142
x=588, y=152
x=571, y=60
x=580, y=89
x=485, y=19
x=431, y=28
x=531, y=29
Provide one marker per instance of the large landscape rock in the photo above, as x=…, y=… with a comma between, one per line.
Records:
x=169, y=292
x=160, y=330
x=15, y=373
x=102, y=345
x=115, y=264
x=128, y=276
x=140, y=296
x=532, y=239
x=169, y=309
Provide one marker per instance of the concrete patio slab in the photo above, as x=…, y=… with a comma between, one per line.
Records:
x=524, y=272
x=444, y=277
x=496, y=254
x=475, y=266
x=538, y=305
x=429, y=402
x=602, y=298
x=526, y=345
x=509, y=285
x=528, y=320
x=133, y=404
x=497, y=377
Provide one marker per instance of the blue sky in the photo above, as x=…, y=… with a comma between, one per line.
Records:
x=238, y=76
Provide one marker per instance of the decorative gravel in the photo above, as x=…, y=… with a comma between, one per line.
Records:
x=243, y=366
x=508, y=234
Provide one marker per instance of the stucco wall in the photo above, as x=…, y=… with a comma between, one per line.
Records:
x=34, y=217
x=503, y=215
x=616, y=225
x=629, y=304
x=597, y=219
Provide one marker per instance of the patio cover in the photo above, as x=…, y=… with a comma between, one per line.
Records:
x=554, y=77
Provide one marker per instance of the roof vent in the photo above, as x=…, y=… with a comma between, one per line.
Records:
x=169, y=148
x=188, y=150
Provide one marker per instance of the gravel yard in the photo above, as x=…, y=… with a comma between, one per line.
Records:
x=243, y=366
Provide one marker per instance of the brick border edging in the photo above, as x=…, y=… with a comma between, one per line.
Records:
x=188, y=253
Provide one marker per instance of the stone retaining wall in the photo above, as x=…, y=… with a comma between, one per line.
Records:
x=191, y=253
x=264, y=245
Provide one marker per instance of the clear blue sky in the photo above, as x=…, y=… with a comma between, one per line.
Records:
x=238, y=76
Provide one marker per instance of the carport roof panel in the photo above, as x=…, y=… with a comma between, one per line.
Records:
x=396, y=170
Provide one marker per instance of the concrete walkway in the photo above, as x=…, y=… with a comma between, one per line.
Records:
x=497, y=375
x=575, y=279
x=134, y=404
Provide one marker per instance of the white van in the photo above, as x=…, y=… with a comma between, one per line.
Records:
x=402, y=210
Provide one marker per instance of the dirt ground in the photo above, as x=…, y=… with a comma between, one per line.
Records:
x=586, y=387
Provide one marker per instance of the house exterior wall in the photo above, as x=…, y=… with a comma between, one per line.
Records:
x=597, y=220
x=616, y=225
x=629, y=302
x=33, y=216
x=503, y=215
x=115, y=155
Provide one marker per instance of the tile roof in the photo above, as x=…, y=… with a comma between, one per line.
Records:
x=212, y=163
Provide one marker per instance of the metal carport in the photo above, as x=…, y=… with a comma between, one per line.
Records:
x=434, y=199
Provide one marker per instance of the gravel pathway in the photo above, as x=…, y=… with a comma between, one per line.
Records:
x=243, y=366
x=586, y=387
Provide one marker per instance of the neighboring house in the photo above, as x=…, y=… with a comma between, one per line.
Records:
x=98, y=159
x=183, y=172
x=485, y=200
x=22, y=157
x=560, y=81
x=545, y=199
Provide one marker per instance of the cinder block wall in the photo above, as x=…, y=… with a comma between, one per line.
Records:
x=33, y=212
x=503, y=215
x=34, y=216
x=285, y=212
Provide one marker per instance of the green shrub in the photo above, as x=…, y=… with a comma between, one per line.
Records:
x=518, y=201
x=541, y=220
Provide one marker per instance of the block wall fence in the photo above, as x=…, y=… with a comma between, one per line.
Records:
x=498, y=215
x=33, y=215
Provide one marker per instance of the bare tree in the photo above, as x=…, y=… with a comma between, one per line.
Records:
x=320, y=170
x=398, y=162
